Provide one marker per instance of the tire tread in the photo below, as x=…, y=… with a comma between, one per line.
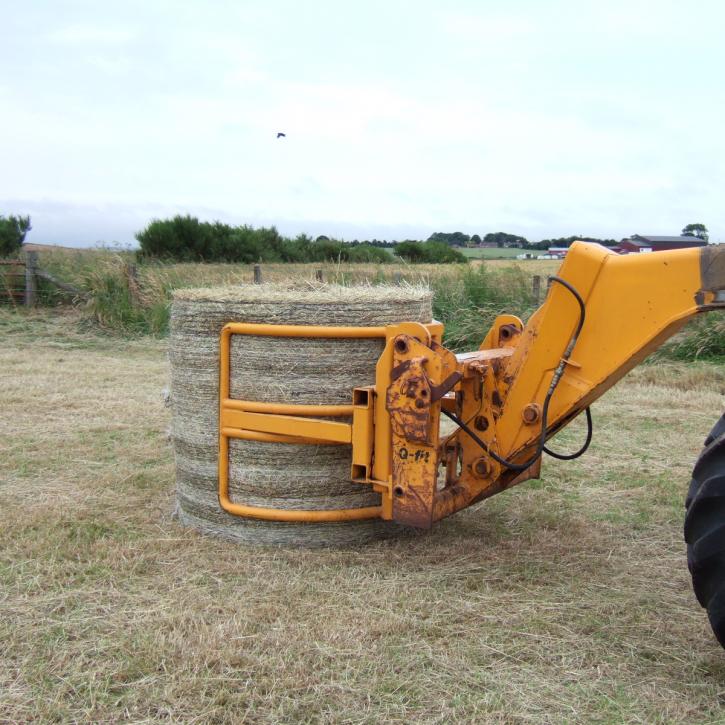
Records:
x=705, y=529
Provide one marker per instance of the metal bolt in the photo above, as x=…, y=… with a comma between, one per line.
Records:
x=481, y=468
x=481, y=422
x=531, y=413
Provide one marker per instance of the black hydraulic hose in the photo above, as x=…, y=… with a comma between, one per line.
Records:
x=558, y=372
x=502, y=461
x=582, y=450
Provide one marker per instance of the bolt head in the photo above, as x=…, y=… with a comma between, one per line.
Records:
x=481, y=422
x=531, y=413
x=482, y=468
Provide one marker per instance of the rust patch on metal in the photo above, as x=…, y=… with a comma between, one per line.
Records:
x=506, y=332
x=438, y=391
x=413, y=504
x=398, y=370
x=408, y=402
x=712, y=267
x=401, y=344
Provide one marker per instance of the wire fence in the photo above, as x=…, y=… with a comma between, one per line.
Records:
x=12, y=282
x=24, y=283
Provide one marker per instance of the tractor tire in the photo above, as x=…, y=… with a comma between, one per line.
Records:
x=705, y=529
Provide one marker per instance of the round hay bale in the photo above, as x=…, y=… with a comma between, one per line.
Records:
x=268, y=369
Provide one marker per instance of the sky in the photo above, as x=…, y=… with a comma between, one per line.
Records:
x=542, y=119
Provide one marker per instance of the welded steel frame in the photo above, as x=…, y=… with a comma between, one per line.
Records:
x=288, y=423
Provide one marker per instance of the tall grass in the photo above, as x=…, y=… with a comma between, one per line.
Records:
x=467, y=298
x=702, y=339
x=114, y=305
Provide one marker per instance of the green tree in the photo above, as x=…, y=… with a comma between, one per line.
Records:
x=368, y=253
x=12, y=233
x=410, y=250
x=454, y=239
x=696, y=230
x=432, y=252
x=502, y=239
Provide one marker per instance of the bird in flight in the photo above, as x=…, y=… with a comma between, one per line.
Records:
x=281, y=135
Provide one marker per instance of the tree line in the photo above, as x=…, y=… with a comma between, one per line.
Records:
x=186, y=239
x=504, y=239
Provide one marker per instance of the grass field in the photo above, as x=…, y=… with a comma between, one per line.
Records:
x=78, y=265
x=492, y=252
x=565, y=600
x=466, y=297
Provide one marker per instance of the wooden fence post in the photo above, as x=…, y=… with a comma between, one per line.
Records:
x=132, y=282
x=536, y=288
x=318, y=275
x=549, y=282
x=397, y=278
x=257, y=274
x=31, y=280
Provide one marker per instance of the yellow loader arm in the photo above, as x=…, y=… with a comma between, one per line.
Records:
x=603, y=315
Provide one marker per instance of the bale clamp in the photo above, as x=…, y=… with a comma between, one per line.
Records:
x=303, y=424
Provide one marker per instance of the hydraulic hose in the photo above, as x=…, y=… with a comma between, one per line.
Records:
x=558, y=372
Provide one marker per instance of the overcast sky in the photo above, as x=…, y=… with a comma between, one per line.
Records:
x=402, y=118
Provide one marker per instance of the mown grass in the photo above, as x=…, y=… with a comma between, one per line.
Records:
x=564, y=600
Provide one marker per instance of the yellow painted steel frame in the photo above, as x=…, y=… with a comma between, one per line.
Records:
x=633, y=304
x=291, y=423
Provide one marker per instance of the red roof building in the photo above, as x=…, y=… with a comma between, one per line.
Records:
x=638, y=243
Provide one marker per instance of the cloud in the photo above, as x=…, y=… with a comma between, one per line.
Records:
x=76, y=34
x=530, y=117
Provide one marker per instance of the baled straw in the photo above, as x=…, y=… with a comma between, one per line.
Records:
x=268, y=369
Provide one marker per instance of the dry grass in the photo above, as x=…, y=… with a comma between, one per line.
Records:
x=566, y=600
x=76, y=266
x=466, y=297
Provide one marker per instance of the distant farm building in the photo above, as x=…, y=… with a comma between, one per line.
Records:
x=637, y=243
x=555, y=253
